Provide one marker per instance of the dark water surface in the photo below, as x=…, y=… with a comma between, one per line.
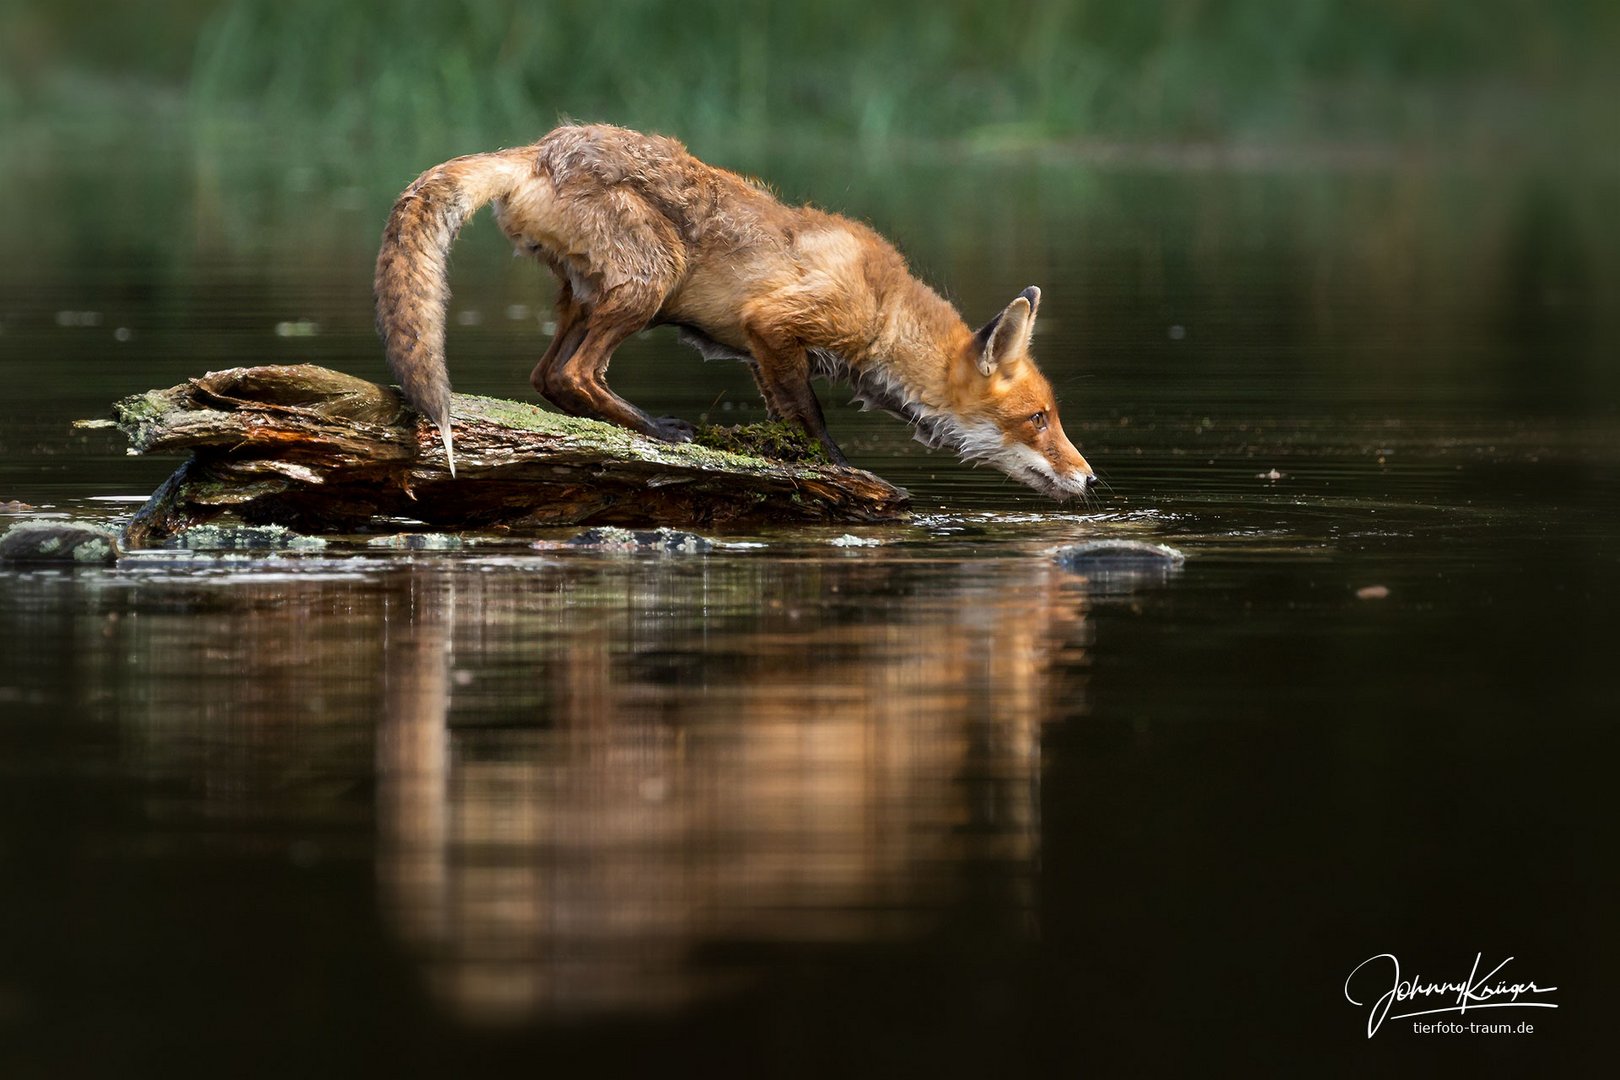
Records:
x=925, y=804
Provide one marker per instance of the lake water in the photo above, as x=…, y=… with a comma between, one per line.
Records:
x=929, y=803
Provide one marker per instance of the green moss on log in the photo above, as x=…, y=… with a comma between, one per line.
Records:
x=774, y=440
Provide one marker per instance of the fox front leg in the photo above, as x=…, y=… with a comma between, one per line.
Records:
x=783, y=372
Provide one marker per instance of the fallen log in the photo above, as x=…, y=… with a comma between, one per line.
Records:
x=322, y=452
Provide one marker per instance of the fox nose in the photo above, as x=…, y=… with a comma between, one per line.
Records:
x=1088, y=479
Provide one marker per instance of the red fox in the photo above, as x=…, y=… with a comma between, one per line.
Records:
x=640, y=233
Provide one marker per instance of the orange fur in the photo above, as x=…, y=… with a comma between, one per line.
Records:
x=640, y=233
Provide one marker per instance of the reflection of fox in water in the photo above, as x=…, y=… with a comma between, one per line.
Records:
x=641, y=233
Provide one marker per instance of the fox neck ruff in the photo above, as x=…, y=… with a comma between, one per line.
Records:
x=932, y=426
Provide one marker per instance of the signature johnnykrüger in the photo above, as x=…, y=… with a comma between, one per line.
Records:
x=1475, y=992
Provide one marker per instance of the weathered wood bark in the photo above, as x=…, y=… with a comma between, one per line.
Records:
x=320, y=451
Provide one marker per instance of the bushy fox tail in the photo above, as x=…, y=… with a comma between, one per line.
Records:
x=412, y=285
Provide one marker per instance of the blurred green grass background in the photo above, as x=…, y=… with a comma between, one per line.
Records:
x=415, y=77
x=1423, y=190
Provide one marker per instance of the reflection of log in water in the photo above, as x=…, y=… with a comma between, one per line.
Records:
x=799, y=775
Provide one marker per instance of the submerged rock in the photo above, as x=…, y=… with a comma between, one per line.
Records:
x=1113, y=566
x=1119, y=553
x=418, y=542
x=244, y=538
x=59, y=542
x=609, y=538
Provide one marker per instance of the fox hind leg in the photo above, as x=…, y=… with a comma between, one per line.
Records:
x=569, y=333
x=574, y=380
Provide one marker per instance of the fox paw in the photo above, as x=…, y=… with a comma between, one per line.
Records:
x=673, y=429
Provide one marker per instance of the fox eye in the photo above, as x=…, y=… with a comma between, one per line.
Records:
x=1039, y=420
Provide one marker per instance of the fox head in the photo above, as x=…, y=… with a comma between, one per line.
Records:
x=1007, y=413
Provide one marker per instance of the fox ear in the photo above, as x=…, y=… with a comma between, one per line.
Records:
x=1006, y=337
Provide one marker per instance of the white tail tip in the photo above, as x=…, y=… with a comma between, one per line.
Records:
x=449, y=453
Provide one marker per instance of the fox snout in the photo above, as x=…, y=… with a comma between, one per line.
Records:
x=1049, y=463
x=1071, y=473
x=1075, y=484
